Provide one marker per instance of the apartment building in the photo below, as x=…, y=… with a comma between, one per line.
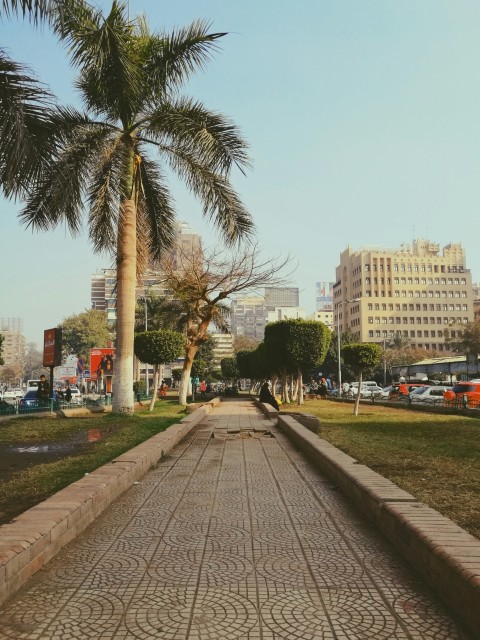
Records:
x=248, y=317
x=415, y=291
x=281, y=297
x=223, y=347
x=325, y=316
x=13, y=347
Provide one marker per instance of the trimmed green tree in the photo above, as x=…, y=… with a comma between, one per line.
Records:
x=2, y=338
x=229, y=369
x=158, y=347
x=297, y=346
x=361, y=357
x=307, y=346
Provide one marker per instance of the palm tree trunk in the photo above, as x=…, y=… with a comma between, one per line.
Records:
x=126, y=282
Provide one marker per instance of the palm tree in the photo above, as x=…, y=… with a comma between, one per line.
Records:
x=130, y=80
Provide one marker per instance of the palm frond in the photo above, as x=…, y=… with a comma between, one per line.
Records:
x=157, y=203
x=33, y=9
x=171, y=59
x=58, y=194
x=214, y=138
x=220, y=201
x=103, y=50
x=26, y=128
x=104, y=194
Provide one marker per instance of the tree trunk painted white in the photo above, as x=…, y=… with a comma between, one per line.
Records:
x=300, y=387
x=156, y=371
x=187, y=368
x=357, y=399
x=285, y=394
x=122, y=401
x=293, y=387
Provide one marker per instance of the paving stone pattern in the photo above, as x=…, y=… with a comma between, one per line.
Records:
x=234, y=535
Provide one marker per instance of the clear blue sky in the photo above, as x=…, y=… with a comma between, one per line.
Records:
x=363, y=120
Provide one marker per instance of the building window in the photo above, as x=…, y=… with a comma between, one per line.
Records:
x=367, y=267
x=395, y=267
x=370, y=334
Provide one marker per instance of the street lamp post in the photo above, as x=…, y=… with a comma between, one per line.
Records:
x=340, y=304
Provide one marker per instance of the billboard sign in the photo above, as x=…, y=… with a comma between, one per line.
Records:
x=52, y=347
x=324, y=297
x=101, y=363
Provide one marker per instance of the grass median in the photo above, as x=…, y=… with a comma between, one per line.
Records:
x=434, y=457
x=40, y=456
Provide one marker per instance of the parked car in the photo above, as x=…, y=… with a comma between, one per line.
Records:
x=29, y=402
x=368, y=391
x=76, y=396
x=470, y=390
x=429, y=395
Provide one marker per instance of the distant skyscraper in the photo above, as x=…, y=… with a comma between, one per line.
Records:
x=281, y=297
x=324, y=295
x=248, y=317
x=11, y=324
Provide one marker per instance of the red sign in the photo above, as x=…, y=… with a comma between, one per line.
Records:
x=52, y=347
x=101, y=363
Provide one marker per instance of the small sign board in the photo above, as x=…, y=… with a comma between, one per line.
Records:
x=52, y=347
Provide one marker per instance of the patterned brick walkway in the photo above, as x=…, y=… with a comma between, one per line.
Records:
x=234, y=535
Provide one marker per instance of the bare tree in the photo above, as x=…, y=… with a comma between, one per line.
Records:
x=200, y=283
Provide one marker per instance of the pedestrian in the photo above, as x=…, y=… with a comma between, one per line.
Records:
x=68, y=393
x=267, y=397
x=43, y=390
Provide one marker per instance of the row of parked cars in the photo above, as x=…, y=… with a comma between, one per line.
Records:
x=28, y=402
x=465, y=392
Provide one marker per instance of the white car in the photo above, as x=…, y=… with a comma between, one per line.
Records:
x=76, y=396
x=368, y=391
x=429, y=395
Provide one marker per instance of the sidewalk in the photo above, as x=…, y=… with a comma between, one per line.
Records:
x=234, y=535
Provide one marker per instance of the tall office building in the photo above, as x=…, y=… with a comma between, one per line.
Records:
x=11, y=324
x=415, y=291
x=281, y=297
x=13, y=346
x=248, y=317
x=103, y=283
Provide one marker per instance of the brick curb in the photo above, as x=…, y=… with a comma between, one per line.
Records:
x=34, y=537
x=445, y=555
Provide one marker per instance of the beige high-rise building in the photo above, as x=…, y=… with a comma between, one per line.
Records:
x=415, y=291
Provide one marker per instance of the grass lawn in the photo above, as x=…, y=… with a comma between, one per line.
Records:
x=40, y=456
x=434, y=457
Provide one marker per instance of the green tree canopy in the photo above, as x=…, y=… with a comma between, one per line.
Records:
x=158, y=347
x=362, y=358
x=2, y=338
x=84, y=331
x=229, y=368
